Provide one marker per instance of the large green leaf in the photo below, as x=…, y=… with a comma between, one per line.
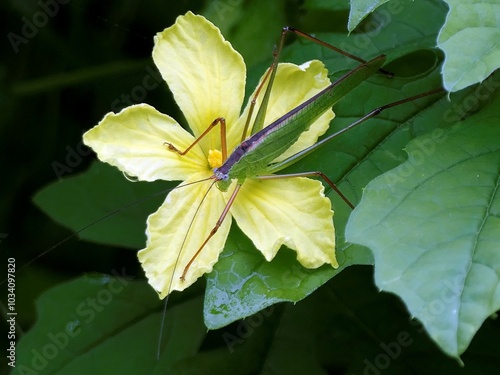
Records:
x=470, y=39
x=107, y=325
x=433, y=225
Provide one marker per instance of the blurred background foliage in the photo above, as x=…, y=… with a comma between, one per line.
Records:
x=61, y=78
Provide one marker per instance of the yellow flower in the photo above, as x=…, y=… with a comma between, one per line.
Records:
x=207, y=78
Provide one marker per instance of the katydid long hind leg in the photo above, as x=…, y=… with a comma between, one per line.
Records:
x=294, y=158
x=260, y=117
x=253, y=102
x=331, y=47
x=275, y=167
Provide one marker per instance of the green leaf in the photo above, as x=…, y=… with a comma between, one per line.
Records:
x=470, y=39
x=243, y=282
x=433, y=226
x=110, y=324
x=79, y=202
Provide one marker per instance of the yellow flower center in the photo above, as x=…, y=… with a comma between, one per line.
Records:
x=214, y=158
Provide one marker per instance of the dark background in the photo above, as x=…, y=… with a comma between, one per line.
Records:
x=59, y=79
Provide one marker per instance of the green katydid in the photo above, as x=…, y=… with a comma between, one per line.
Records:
x=252, y=157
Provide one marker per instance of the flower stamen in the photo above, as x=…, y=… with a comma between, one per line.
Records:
x=214, y=158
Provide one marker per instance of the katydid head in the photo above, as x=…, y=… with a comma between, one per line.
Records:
x=222, y=178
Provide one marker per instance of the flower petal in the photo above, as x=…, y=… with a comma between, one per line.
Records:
x=172, y=230
x=204, y=72
x=133, y=141
x=292, y=86
x=291, y=211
